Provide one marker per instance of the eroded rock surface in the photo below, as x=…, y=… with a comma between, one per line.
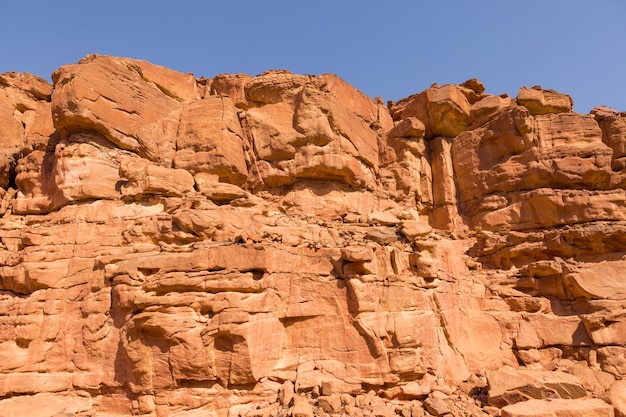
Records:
x=284, y=245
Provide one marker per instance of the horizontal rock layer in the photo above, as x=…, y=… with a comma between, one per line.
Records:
x=283, y=244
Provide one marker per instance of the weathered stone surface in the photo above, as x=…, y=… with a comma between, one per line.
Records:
x=134, y=104
x=436, y=407
x=147, y=178
x=25, y=120
x=608, y=328
x=79, y=169
x=617, y=397
x=30, y=84
x=301, y=408
x=45, y=405
x=495, y=190
x=592, y=407
x=510, y=386
x=540, y=101
x=414, y=229
x=231, y=86
x=411, y=127
x=12, y=134
x=210, y=139
x=444, y=110
x=300, y=129
x=613, y=125
x=259, y=246
x=601, y=280
x=209, y=186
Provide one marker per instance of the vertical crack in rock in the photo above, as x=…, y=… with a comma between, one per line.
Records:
x=442, y=323
x=252, y=159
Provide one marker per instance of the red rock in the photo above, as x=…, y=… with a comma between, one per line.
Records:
x=12, y=134
x=487, y=108
x=286, y=394
x=577, y=156
x=46, y=405
x=330, y=403
x=209, y=186
x=31, y=84
x=231, y=86
x=25, y=119
x=300, y=130
x=608, y=328
x=445, y=214
x=540, y=101
x=147, y=178
x=414, y=229
x=444, y=110
x=210, y=139
x=592, y=379
x=612, y=359
x=613, y=125
x=509, y=386
x=592, y=407
x=134, y=104
x=411, y=127
x=301, y=408
x=601, y=280
x=617, y=397
x=436, y=407
x=210, y=247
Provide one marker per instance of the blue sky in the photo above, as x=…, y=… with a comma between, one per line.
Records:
x=390, y=49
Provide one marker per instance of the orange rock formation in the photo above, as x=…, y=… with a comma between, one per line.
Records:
x=284, y=245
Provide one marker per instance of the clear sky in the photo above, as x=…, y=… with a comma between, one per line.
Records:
x=390, y=49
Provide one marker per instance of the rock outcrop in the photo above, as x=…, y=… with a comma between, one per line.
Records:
x=284, y=245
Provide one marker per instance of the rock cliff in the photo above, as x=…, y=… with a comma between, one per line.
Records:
x=284, y=245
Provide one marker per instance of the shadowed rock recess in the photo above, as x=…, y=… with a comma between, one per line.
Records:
x=283, y=245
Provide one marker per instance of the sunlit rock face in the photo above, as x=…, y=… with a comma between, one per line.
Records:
x=282, y=244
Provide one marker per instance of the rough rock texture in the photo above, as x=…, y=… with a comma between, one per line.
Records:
x=284, y=245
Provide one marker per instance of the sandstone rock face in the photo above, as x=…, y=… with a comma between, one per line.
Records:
x=284, y=245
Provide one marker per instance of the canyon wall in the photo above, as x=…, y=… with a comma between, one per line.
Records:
x=285, y=245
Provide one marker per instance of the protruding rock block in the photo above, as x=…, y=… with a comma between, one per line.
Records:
x=540, y=101
x=134, y=104
x=444, y=110
x=411, y=127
